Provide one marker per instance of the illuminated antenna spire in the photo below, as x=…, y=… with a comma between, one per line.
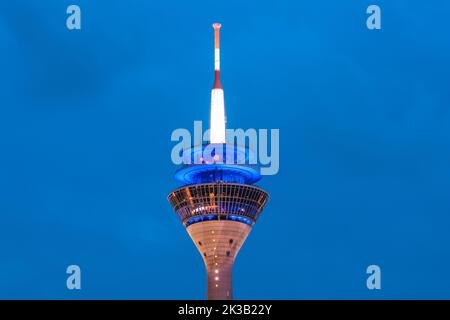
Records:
x=217, y=123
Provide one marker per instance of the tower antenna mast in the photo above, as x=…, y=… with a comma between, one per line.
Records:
x=217, y=121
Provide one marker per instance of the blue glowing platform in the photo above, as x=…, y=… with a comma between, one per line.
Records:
x=218, y=162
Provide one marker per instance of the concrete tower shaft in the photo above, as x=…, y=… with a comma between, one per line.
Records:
x=219, y=243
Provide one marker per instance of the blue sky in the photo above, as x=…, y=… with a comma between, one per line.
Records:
x=85, y=124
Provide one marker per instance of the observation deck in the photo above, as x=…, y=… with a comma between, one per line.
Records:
x=218, y=201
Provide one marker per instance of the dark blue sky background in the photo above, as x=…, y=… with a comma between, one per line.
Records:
x=85, y=124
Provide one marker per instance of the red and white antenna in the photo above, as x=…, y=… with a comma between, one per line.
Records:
x=217, y=124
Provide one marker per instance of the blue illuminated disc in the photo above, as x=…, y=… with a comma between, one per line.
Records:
x=205, y=173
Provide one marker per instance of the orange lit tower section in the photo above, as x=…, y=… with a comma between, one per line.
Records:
x=217, y=202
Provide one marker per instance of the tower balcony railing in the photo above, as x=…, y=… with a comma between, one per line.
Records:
x=218, y=201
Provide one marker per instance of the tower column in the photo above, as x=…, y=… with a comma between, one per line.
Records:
x=219, y=279
x=219, y=242
x=217, y=202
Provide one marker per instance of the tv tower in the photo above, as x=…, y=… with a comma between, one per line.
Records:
x=217, y=202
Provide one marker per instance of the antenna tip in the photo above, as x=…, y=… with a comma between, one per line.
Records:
x=217, y=26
